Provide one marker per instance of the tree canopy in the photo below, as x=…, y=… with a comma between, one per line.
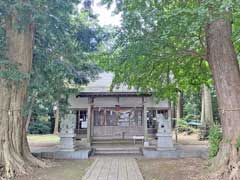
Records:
x=161, y=45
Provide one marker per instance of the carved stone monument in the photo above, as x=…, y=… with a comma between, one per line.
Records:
x=67, y=134
x=164, y=134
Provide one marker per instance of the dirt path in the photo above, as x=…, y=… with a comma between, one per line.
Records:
x=62, y=170
x=173, y=169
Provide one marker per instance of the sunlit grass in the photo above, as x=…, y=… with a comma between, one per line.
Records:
x=48, y=138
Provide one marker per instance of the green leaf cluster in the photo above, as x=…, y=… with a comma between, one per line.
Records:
x=62, y=60
x=161, y=45
x=215, y=137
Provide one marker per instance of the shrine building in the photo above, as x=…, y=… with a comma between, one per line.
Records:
x=122, y=113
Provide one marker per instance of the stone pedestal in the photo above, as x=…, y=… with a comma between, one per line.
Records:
x=67, y=134
x=67, y=142
x=164, y=142
x=164, y=134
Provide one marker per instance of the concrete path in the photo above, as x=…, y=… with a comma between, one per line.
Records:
x=114, y=168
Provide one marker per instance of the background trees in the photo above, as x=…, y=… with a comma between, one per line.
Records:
x=62, y=64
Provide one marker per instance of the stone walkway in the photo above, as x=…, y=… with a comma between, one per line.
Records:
x=114, y=168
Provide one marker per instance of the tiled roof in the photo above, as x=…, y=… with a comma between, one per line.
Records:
x=103, y=84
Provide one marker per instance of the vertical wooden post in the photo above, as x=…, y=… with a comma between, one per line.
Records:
x=89, y=120
x=145, y=120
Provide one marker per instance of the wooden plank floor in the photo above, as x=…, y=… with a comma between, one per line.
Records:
x=114, y=168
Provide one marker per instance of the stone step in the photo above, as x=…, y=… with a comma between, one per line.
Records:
x=117, y=150
x=116, y=153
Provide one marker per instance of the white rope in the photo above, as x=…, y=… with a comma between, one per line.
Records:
x=127, y=111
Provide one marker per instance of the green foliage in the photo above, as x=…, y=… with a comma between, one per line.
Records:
x=161, y=47
x=40, y=127
x=65, y=37
x=61, y=63
x=215, y=137
x=238, y=143
x=183, y=126
x=192, y=106
x=216, y=116
x=10, y=72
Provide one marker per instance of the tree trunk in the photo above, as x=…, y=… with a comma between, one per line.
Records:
x=173, y=114
x=29, y=115
x=202, y=107
x=223, y=63
x=179, y=112
x=206, y=111
x=56, y=122
x=15, y=157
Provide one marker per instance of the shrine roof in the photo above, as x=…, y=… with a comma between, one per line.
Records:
x=102, y=85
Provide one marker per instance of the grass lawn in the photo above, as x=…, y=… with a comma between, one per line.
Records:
x=48, y=138
x=61, y=170
x=173, y=169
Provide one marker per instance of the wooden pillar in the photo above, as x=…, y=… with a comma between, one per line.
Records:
x=89, y=120
x=145, y=120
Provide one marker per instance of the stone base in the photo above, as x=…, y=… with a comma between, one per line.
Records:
x=165, y=142
x=80, y=154
x=67, y=142
x=181, y=151
x=166, y=149
x=146, y=144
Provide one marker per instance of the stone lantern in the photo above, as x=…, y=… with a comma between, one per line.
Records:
x=67, y=133
x=164, y=133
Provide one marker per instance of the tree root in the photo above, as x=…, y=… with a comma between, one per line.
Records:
x=227, y=163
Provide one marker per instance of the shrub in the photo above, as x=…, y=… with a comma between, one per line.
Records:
x=183, y=126
x=238, y=143
x=39, y=127
x=215, y=137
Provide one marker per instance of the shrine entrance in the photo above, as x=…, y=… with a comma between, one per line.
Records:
x=109, y=123
x=81, y=122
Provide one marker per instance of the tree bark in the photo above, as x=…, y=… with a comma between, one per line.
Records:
x=15, y=157
x=56, y=122
x=179, y=112
x=224, y=66
x=206, y=111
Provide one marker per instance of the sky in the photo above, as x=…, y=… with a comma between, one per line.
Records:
x=105, y=15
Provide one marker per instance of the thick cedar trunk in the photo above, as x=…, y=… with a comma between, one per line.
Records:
x=179, y=112
x=223, y=62
x=15, y=157
x=206, y=109
x=56, y=122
